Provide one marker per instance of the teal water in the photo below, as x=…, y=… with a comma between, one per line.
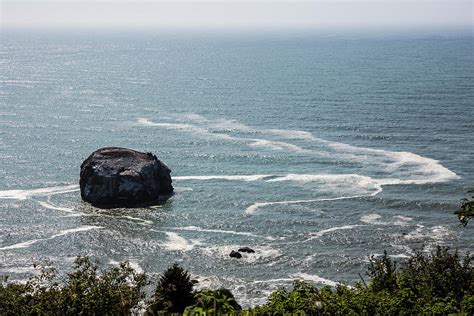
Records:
x=316, y=152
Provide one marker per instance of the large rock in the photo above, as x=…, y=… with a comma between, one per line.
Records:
x=120, y=177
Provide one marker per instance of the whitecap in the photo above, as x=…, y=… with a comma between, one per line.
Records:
x=292, y=134
x=438, y=233
x=314, y=278
x=372, y=219
x=376, y=219
x=135, y=266
x=335, y=181
x=332, y=229
x=255, y=206
x=177, y=243
x=278, y=145
x=280, y=280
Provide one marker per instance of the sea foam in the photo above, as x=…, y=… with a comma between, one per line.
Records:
x=218, y=231
x=28, y=243
x=320, y=233
x=25, y=194
x=420, y=170
x=314, y=278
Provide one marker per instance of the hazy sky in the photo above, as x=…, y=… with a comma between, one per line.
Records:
x=254, y=15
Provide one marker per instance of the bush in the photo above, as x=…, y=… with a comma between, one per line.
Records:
x=302, y=299
x=438, y=276
x=383, y=273
x=440, y=283
x=173, y=292
x=86, y=291
x=213, y=302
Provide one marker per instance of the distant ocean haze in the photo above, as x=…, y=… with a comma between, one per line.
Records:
x=314, y=152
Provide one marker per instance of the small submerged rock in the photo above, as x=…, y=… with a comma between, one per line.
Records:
x=121, y=177
x=235, y=254
x=246, y=249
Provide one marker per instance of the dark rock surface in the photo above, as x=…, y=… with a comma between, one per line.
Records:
x=246, y=249
x=235, y=254
x=120, y=177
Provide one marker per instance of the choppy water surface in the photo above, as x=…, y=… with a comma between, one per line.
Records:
x=314, y=152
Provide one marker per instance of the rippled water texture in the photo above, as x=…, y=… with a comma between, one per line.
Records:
x=314, y=152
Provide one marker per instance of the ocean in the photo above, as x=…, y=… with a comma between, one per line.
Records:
x=315, y=151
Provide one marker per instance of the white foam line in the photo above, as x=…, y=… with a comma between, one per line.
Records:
x=277, y=145
x=144, y=221
x=245, y=178
x=353, y=178
x=24, y=244
x=252, y=142
x=54, y=207
x=431, y=170
x=332, y=229
x=28, y=243
x=273, y=280
x=182, y=189
x=375, y=219
x=139, y=220
x=24, y=194
x=315, y=279
x=253, y=208
x=199, y=229
x=70, y=210
x=75, y=230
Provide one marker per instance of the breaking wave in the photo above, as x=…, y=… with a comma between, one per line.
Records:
x=399, y=167
x=314, y=278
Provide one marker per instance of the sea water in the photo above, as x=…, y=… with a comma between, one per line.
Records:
x=314, y=151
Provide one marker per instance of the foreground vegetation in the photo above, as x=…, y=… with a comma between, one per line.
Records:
x=440, y=283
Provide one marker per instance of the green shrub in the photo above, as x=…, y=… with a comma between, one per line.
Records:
x=440, y=275
x=382, y=272
x=440, y=283
x=302, y=299
x=173, y=292
x=214, y=302
x=86, y=291
x=113, y=292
